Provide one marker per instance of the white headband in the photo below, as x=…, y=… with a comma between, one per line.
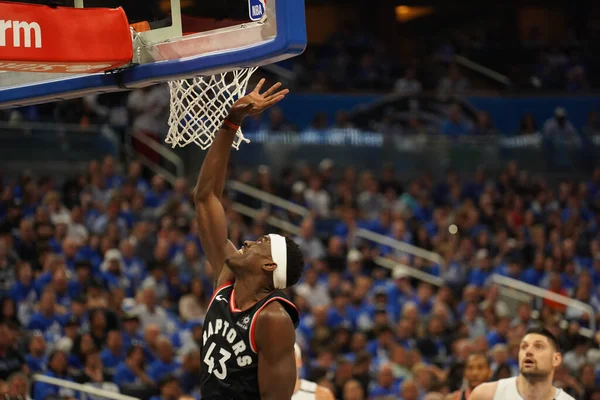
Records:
x=279, y=255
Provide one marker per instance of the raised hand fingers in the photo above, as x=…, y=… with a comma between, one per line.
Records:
x=280, y=93
x=272, y=89
x=274, y=100
x=259, y=85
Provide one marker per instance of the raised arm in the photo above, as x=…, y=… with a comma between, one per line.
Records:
x=212, y=225
x=275, y=338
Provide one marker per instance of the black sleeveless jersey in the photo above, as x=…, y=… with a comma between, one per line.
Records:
x=229, y=359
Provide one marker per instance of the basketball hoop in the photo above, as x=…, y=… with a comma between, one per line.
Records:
x=200, y=105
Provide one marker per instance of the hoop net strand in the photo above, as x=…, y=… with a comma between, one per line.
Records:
x=200, y=105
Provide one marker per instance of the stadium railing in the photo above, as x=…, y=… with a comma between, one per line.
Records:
x=400, y=270
x=480, y=69
x=84, y=389
x=157, y=166
x=541, y=293
x=271, y=220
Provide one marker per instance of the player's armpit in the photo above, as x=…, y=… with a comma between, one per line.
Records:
x=212, y=229
x=485, y=391
x=275, y=338
x=322, y=393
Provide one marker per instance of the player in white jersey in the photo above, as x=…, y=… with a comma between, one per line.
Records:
x=539, y=356
x=306, y=390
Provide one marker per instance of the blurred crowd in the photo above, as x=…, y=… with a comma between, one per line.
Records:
x=103, y=280
x=355, y=60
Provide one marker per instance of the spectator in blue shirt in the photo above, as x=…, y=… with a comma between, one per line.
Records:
x=72, y=327
x=23, y=290
x=158, y=194
x=386, y=384
x=70, y=249
x=342, y=313
x=380, y=347
x=424, y=298
x=169, y=389
x=114, y=353
x=131, y=371
x=165, y=363
x=46, y=319
x=499, y=335
x=483, y=270
x=112, y=180
x=190, y=371
x=130, y=333
x=133, y=266
x=57, y=368
x=35, y=358
x=114, y=276
x=111, y=216
x=536, y=272
x=134, y=172
x=455, y=125
x=59, y=285
x=77, y=284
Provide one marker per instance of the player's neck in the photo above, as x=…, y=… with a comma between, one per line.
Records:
x=247, y=292
x=297, y=387
x=536, y=390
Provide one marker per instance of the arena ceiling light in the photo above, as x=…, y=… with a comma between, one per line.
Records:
x=409, y=13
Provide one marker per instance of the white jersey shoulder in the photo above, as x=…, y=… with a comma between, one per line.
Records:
x=507, y=390
x=307, y=391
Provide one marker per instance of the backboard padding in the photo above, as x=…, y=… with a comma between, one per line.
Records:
x=286, y=39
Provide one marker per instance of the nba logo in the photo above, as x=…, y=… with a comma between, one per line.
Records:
x=257, y=9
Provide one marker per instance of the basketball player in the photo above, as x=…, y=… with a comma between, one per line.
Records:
x=248, y=338
x=306, y=390
x=539, y=356
x=477, y=371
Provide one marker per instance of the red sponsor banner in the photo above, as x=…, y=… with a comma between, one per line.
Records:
x=38, y=38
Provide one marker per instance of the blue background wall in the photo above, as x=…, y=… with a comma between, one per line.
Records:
x=506, y=112
x=300, y=108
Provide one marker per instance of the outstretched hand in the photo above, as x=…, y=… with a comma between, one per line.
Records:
x=255, y=102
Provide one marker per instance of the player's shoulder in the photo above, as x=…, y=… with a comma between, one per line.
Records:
x=274, y=330
x=485, y=391
x=273, y=313
x=323, y=393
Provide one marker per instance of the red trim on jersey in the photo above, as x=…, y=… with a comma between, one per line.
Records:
x=232, y=305
x=225, y=285
x=252, y=324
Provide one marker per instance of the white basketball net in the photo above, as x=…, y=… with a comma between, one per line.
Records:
x=200, y=105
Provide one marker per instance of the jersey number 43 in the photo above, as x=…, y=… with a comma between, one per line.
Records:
x=210, y=361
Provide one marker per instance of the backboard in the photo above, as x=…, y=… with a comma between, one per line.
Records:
x=174, y=39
